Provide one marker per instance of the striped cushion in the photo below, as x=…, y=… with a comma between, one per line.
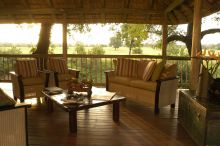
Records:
x=26, y=67
x=126, y=67
x=149, y=70
x=58, y=65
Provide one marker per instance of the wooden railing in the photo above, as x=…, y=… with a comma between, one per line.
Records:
x=93, y=66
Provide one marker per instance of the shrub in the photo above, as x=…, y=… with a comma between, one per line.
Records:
x=137, y=51
x=80, y=48
x=97, y=49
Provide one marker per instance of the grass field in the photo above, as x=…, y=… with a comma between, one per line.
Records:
x=108, y=50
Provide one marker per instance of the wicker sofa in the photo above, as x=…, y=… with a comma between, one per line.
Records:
x=157, y=88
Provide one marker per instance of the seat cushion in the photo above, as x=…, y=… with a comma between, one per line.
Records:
x=149, y=85
x=33, y=81
x=26, y=67
x=57, y=65
x=120, y=80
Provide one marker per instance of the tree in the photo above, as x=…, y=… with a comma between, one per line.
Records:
x=187, y=37
x=133, y=34
x=115, y=41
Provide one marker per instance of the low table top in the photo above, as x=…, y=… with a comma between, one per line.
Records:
x=99, y=97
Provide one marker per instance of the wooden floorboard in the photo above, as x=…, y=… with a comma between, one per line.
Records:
x=138, y=126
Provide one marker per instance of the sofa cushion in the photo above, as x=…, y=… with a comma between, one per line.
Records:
x=157, y=71
x=120, y=80
x=141, y=67
x=149, y=70
x=33, y=81
x=149, y=85
x=126, y=67
x=169, y=71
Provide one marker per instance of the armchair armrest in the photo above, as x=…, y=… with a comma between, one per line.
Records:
x=17, y=84
x=74, y=72
x=108, y=74
x=165, y=92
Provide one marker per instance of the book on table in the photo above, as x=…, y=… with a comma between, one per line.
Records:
x=103, y=95
x=53, y=90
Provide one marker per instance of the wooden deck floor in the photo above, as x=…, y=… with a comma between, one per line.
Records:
x=138, y=127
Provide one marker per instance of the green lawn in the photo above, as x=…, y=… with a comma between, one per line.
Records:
x=108, y=50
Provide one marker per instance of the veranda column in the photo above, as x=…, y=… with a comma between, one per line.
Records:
x=196, y=38
x=164, y=38
x=65, y=40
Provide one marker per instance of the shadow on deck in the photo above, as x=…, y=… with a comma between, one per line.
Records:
x=138, y=126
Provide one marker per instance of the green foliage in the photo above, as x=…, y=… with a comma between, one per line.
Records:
x=98, y=50
x=80, y=48
x=12, y=50
x=176, y=50
x=137, y=50
x=134, y=34
x=115, y=41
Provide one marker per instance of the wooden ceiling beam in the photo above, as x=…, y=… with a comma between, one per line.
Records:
x=26, y=3
x=179, y=15
x=50, y=3
x=2, y=3
x=173, y=5
x=76, y=11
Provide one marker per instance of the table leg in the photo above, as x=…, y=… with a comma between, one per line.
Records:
x=49, y=105
x=73, y=121
x=116, y=111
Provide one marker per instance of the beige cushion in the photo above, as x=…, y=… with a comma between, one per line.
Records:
x=141, y=67
x=26, y=67
x=157, y=71
x=121, y=80
x=33, y=81
x=149, y=70
x=126, y=67
x=169, y=71
x=57, y=65
x=149, y=85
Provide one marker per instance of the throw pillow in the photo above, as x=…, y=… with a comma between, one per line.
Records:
x=141, y=67
x=157, y=71
x=149, y=70
x=5, y=100
x=169, y=71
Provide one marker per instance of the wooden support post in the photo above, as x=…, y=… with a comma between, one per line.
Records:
x=164, y=38
x=65, y=41
x=196, y=38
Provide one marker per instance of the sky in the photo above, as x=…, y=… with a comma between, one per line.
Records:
x=98, y=35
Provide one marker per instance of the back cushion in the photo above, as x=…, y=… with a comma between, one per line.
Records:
x=126, y=67
x=26, y=67
x=169, y=71
x=58, y=65
x=149, y=70
x=141, y=67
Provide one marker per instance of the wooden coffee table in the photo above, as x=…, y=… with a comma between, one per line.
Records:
x=72, y=108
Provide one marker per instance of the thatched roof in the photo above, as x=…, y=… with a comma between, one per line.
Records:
x=102, y=11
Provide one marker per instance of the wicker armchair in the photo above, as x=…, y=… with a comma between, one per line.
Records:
x=62, y=74
x=27, y=80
